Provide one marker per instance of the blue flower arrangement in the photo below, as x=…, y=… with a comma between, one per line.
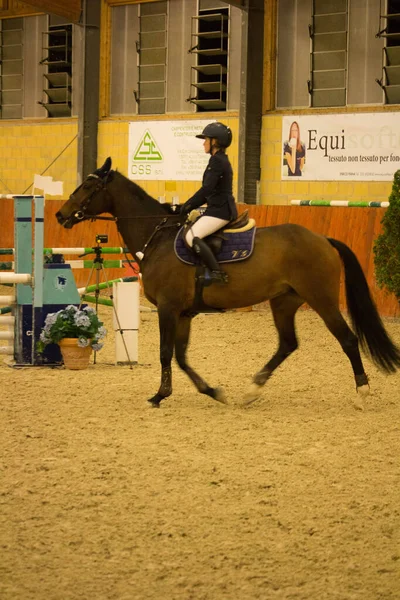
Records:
x=72, y=322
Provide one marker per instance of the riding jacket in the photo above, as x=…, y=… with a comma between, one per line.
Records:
x=216, y=190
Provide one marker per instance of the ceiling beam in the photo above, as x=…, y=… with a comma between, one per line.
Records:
x=70, y=10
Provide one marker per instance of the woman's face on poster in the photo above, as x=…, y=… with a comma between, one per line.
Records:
x=294, y=131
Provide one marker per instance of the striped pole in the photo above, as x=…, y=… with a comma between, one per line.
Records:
x=15, y=278
x=92, y=299
x=7, y=300
x=88, y=264
x=104, y=286
x=104, y=250
x=75, y=264
x=84, y=292
x=349, y=203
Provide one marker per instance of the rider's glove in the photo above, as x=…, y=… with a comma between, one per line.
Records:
x=186, y=208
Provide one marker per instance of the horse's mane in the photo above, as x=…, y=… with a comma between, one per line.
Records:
x=135, y=189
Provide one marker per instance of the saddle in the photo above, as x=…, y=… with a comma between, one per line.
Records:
x=232, y=243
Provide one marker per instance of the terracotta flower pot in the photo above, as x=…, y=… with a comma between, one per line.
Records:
x=74, y=356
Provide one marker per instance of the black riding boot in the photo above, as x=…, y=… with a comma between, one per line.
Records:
x=204, y=251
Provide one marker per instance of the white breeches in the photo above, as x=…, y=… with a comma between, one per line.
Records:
x=203, y=227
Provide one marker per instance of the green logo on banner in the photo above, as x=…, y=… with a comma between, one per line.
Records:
x=147, y=149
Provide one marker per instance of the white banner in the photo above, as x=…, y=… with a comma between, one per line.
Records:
x=363, y=146
x=166, y=150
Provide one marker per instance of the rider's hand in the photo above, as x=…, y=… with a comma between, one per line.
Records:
x=193, y=215
x=185, y=208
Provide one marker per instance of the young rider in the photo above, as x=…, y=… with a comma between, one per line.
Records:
x=216, y=193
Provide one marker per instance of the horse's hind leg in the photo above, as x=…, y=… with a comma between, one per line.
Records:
x=283, y=309
x=336, y=324
x=181, y=344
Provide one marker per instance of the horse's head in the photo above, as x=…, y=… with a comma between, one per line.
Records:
x=91, y=198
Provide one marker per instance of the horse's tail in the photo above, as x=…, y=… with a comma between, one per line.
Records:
x=365, y=318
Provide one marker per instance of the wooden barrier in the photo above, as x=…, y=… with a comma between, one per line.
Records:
x=357, y=227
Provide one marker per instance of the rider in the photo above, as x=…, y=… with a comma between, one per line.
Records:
x=216, y=193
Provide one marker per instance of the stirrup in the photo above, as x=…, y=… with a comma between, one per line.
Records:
x=219, y=277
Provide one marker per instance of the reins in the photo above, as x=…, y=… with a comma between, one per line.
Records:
x=98, y=218
x=161, y=225
x=102, y=183
x=157, y=228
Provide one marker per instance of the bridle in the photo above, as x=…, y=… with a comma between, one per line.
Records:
x=81, y=214
x=101, y=184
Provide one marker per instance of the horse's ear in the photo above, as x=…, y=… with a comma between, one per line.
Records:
x=105, y=169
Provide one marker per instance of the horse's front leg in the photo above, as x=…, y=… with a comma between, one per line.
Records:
x=181, y=344
x=167, y=321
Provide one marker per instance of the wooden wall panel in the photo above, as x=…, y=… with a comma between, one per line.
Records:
x=357, y=227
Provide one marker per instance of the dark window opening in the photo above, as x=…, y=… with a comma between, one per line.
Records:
x=57, y=56
x=152, y=57
x=328, y=32
x=390, y=30
x=210, y=30
x=11, y=68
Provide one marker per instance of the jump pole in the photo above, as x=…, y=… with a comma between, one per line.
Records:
x=105, y=250
x=348, y=203
x=75, y=264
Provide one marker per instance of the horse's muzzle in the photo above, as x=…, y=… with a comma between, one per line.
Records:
x=60, y=218
x=66, y=222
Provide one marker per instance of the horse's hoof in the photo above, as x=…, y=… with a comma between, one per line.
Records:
x=252, y=395
x=362, y=393
x=154, y=404
x=155, y=401
x=220, y=396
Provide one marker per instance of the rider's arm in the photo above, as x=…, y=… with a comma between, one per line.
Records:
x=211, y=177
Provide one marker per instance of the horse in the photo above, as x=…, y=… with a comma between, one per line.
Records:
x=289, y=266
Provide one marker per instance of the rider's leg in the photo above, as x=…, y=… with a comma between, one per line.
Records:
x=205, y=226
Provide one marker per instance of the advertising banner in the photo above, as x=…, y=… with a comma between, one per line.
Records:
x=166, y=150
x=363, y=146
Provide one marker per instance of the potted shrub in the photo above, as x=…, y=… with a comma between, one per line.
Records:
x=387, y=245
x=76, y=331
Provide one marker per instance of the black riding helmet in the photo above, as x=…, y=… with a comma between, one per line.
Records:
x=219, y=132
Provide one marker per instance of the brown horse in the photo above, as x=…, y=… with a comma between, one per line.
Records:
x=290, y=265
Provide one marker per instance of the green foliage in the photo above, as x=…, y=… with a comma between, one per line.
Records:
x=71, y=322
x=387, y=244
